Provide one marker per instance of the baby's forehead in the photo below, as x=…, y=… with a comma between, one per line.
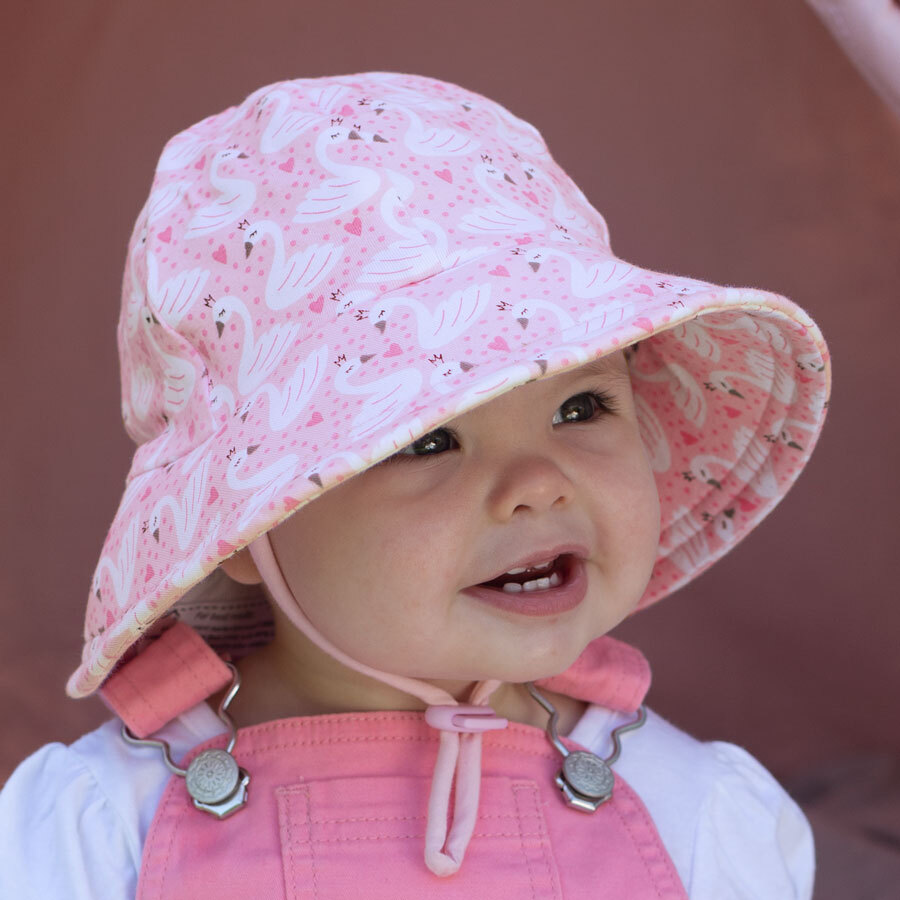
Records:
x=610, y=369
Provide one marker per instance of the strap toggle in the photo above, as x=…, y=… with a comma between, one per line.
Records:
x=469, y=719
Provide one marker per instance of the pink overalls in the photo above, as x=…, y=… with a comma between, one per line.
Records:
x=336, y=803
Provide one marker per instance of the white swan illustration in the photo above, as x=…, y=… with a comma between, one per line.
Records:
x=236, y=196
x=351, y=186
x=176, y=295
x=285, y=124
x=686, y=392
x=185, y=508
x=755, y=325
x=285, y=405
x=525, y=310
x=504, y=217
x=165, y=198
x=587, y=281
x=291, y=279
x=181, y=151
x=185, y=147
x=753, y=464
x=426, y=140
x=121, y=573
x=259, y=354
x=516, y=132
x=586, y=221
x=387, y=396
x=190, y=570
x=179, y=374
x=413, y=257
x=270, y=480
x=686, y=541
x=140, y=391
x=696, y=336
x=444, y=322
x=763, y=373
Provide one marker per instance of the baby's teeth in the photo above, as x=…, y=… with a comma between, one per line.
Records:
x=519, y=571
x=539, y=584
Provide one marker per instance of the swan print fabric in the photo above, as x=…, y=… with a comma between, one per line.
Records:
x=338, y=265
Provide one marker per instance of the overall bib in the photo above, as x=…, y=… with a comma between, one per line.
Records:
x=336, y=803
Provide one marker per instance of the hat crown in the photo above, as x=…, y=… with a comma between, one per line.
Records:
x=270, y=221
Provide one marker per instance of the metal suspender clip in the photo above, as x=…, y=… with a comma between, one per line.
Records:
x=215, y=782
x=585, y=779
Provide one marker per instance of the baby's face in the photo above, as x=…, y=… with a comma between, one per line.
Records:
x=381, y=563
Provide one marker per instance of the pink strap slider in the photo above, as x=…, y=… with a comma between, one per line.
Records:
x=464, y=718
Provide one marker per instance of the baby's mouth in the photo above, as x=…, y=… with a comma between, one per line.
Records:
x=542, y=577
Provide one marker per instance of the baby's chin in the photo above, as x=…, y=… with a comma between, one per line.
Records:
x=516, y=667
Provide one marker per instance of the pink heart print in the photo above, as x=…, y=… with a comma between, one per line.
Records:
x=220, y=255
x=499, y=344
x=354, y=227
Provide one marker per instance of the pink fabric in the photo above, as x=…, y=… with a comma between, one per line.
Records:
x=173, y=673
x=338, y=803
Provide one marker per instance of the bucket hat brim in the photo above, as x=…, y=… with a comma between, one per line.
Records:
x=731, y=386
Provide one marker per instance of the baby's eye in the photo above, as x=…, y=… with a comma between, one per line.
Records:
x=429, y=444
x=583, y=407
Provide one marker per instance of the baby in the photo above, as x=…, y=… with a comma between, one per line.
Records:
x=412, y=442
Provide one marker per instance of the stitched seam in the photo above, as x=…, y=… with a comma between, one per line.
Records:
x=517, y=789
x=146, y=699
x=420, y=834
x=312, y=842
x=167, y=853
x=546, y=845
x=399, y=818
x=662, y=883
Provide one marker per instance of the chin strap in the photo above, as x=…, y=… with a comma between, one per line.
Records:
x=459, y=752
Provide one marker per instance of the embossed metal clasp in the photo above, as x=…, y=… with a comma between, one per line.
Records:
x=214, y=780
x=585, y=779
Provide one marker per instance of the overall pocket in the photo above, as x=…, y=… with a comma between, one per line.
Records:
x=364, y=837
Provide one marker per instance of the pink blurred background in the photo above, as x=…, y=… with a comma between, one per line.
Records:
x=753, y=154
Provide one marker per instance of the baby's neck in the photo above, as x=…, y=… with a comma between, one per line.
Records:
x=271, y=689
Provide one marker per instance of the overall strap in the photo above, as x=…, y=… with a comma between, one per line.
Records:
x=174, y=672
x=609, y=673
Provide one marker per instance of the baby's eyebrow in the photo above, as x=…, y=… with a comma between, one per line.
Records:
x=604, y=367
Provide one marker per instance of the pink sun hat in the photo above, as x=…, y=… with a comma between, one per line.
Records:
x=337, y=266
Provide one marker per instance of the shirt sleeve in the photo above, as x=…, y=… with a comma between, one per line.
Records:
x=730, y=828
x=752, y=840
x=62, y=837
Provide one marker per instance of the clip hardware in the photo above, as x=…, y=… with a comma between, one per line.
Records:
x=585, y=779
x=214, y=780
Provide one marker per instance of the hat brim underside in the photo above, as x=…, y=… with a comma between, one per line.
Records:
x=731, y=386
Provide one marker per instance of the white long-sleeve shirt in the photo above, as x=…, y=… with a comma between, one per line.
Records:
x=74, y=818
